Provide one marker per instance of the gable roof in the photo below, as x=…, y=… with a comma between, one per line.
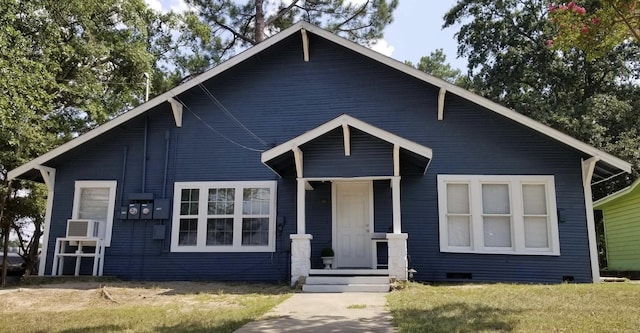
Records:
x=608, y=165
x=625, y=191
x=352, y=122
x=346, y=120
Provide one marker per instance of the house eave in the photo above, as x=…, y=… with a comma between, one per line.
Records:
x=163, y=98
x=599, y=203
x=309, y=28
x=476, y=99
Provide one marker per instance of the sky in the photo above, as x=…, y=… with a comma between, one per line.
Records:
x=416, y=30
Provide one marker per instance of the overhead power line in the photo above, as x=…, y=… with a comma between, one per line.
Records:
x=213, y=129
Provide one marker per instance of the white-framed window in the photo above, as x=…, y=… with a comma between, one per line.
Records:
x=95, y=200
x=224, y=216
x=498, y=214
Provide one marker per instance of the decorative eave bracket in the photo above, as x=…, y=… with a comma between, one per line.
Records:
x=441, y=103
x=347, y=139
x=48, y=175
x=177, y=110
x=305, y=44
x=297, y=157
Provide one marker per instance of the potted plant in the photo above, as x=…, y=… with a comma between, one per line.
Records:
x=327, y=257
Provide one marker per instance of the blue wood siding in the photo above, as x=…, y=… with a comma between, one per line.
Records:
x=325, y=156
x=319, y=219
x=279, y=96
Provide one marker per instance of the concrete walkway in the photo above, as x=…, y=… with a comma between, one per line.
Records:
x=330, y=312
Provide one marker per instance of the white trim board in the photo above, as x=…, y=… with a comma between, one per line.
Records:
x=309, y=28
x=616, y=195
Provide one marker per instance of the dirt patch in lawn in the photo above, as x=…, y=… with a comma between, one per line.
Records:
x=71, y=296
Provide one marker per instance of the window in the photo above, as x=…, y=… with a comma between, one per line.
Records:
x=498, y=214
x=95, y=200
x=224, y=217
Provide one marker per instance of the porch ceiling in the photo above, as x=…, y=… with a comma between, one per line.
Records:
x=282, y=158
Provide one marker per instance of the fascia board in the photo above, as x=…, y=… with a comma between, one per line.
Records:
x=611, y=197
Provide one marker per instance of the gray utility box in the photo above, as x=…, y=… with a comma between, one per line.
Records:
x=161, y=209
x=158, y=231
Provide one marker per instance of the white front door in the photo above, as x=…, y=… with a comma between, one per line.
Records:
x=353, y=220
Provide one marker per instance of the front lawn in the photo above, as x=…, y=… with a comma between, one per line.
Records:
x=136, y=307
x=606, y=307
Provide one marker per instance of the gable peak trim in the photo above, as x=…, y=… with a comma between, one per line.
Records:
x=341, y=121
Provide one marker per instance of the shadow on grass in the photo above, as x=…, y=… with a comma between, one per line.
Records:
x=225, y=327
x=190, y=327
x=222, y=288
x=320, y=323
x=455, y=317
x=94, y=329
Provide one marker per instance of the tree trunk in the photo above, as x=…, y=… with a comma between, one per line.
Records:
x=32, y=256
x=259, y=33
x=5, y=227
x=5, y=252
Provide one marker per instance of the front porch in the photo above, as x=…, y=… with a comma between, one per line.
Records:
x=362, y=164
x=301, y=260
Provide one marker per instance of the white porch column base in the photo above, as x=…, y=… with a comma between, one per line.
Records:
x=300, y=256
x=398, y=256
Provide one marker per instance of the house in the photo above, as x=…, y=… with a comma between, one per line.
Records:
x=308, y=140
x=621, y=214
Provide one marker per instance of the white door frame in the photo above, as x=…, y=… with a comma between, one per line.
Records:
x=334, y=214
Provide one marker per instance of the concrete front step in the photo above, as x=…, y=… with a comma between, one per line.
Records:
x=339, y=284
x=347, y=280
x=350, y=272
x=342, y=288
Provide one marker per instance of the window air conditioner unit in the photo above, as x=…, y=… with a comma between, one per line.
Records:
x=83, y=228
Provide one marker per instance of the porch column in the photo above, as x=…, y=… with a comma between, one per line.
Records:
x=398, y=266
x=395, y=196
x=588, y=167
x=49, y=176
x=300, y=256
x=300, y=213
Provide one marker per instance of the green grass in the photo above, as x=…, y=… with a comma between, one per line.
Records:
x=357, y=306
x=191, y=307
x=607, y=307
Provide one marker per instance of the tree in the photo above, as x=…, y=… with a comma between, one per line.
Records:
x=217, y=29
x=67, y=66
x=597, y=28
x=26, y=81
x=436, y=65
